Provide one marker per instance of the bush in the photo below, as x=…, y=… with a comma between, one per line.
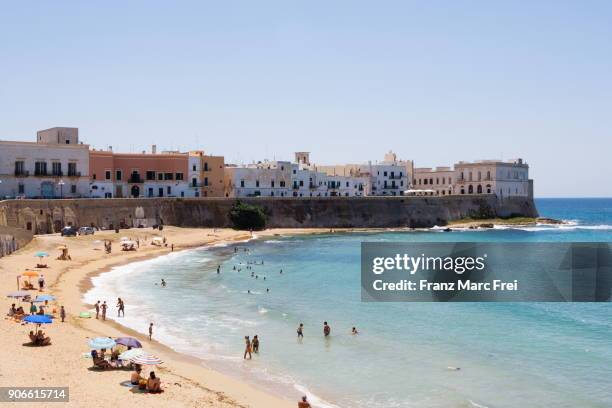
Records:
x=247, y=217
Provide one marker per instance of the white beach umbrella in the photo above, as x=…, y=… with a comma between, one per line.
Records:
x=146, y=359
x=133, y=353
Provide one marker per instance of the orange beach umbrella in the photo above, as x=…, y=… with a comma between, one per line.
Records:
x=30, y=273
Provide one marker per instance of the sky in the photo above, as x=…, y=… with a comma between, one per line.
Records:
x=434, y=81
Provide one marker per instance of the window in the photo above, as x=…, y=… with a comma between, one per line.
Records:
x=169, y=190
x=56, y=168
x=385, y=174
x=21, y=188
x=19, y=168
x=194, y=182
x=72, y=170
x=241, y=183
x=118, y=175
x=150, y=192
x=73, y=189
x=107, y=174
x=282, y=183
x=272, y=184
x=256, y=183
x=93, y=176
x=150, y=175
x=179, y=176
x=205, y=166
x=40, y=168
x=160, y=176
x=193, y=168
x=301, y=183
x=168, y=176
x=160, y=191
x=206, y=181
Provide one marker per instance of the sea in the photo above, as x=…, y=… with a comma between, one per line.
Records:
x=425, y=355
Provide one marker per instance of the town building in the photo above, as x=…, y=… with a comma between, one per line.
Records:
x=391, y=177
x=122, y=175
x=286, y=179
x=503, y=178
x=55, y=166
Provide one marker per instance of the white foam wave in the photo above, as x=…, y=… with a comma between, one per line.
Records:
x=314, y=400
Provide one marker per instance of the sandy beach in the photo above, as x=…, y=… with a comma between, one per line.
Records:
x=186, y=382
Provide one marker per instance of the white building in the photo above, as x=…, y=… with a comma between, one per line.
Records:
x=286, y=179
x=56, y=166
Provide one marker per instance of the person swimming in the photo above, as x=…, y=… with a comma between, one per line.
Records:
x=354, y=331
x=163, y=283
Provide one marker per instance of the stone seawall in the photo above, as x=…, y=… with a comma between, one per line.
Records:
x=47, y=216
x=12, y=238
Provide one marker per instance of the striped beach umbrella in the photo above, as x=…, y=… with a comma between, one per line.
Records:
x=146, y=359
x=133, y=353
x=101, y=343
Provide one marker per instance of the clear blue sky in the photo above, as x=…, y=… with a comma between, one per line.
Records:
x=436, y=81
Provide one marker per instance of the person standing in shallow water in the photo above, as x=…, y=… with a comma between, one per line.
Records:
x=326, y=329
x=300, y=331
x=151, y=331
x=247, y=347
x=255, y=344
x=104, y=310
x=120, y=307
x=97, y=309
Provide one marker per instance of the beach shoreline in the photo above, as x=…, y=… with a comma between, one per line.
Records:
x=186, y=380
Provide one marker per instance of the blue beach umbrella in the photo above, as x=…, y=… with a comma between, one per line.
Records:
x=42, y=298
x=101, y=343
x=41, y=254
x=38, y=319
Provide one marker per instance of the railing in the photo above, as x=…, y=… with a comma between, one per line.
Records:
x=22, y=173
x=396, y=177
x=57, y=173
x=74, y=174
x=40, y=173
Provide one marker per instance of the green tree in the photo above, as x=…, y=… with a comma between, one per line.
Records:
x=247, y=217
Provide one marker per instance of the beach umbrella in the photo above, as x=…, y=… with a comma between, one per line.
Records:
x=41, y=254
x=18, y=294
x=30, y=274
x=42, y=298
x=102, y=343
x=128, y=342
x=38, y=319
x=133, y=353
x=146, y=359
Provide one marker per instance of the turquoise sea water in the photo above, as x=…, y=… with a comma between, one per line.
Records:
x=509, y=354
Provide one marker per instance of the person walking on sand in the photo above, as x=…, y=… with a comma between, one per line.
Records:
x=63, y=313
x=326, y=329
x=151, y=332
x=120, y=307
x=103, y=307
x=248, y=348
x=304, y=403
x=97, y=309
x=41, y=282
x=300, y=331
x=172, y=247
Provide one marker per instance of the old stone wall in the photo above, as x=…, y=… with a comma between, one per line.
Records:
x=47, y=216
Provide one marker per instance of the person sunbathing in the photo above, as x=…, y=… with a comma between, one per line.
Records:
x=153, y=383
x=33, y=338
x=41, y=339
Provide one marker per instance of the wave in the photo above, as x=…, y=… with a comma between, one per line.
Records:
x=314, y=400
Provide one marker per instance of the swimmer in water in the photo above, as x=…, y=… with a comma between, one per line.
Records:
x=354, y=331
x=163, y=283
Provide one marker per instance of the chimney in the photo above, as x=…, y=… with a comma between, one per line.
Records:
x=154, y=149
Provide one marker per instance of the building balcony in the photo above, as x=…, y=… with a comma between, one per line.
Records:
x=22, y=173
x=396, y=177
x=390, y=187
x=74, y=174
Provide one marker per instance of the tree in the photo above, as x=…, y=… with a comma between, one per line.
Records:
x=247, y=217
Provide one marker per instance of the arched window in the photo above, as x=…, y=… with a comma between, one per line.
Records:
x=479, y=189
x=470, y=189
x=462, y=190
x=488, y=189
x=489, y=175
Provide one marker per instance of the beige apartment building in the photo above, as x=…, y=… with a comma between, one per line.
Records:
x=503, y=178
